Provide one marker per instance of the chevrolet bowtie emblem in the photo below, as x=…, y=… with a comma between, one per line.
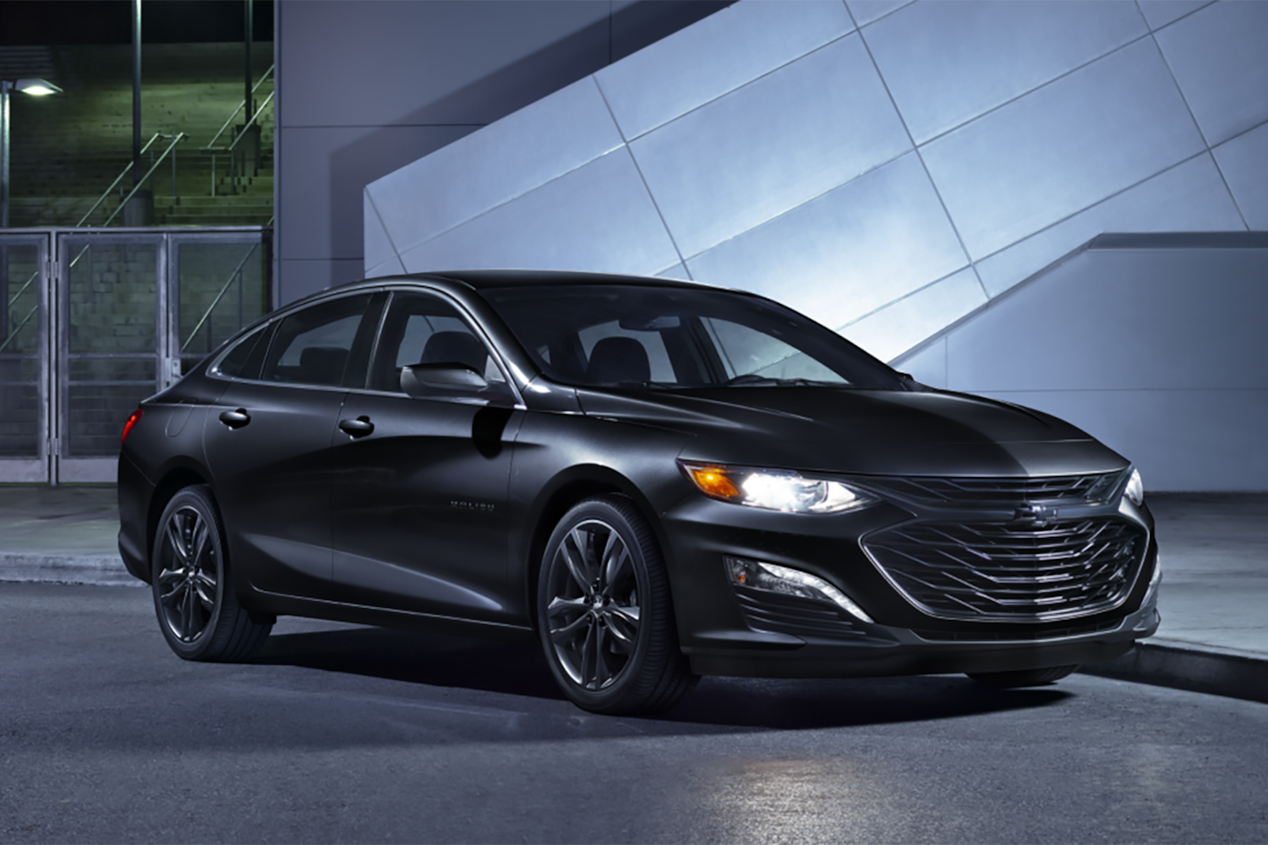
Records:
x=1033, y=514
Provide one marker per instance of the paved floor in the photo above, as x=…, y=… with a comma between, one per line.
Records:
x=1213, y=638
x=341, y=734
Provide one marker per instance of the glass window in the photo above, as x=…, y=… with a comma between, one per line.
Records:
x=423, y=328
x=244, y=358
x=648, y=335
x=313, y=345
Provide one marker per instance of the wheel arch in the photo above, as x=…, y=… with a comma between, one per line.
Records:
x=174, y=480
x=564, y=491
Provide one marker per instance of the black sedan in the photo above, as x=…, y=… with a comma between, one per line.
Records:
x=657, y=480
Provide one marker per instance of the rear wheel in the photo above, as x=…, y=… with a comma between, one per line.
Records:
x=1023, y=677
x=198, y=612
x=606, y=617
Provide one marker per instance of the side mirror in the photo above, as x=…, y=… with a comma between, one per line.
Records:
x=430, y=379
x=451, y=380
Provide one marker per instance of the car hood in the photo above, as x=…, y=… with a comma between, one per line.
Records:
x=885, y=432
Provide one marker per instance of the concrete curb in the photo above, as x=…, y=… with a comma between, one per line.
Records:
x=103, y=570
x=1207, y=669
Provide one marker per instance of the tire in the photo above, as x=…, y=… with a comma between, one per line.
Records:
x=605, y=614
x=192, y=584
x=1023, y=677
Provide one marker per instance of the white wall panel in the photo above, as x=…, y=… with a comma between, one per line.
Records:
x=374, y=63
x=1159, y=13
x=309, y=275
x=901, y=325
x=946, y=63
x=598, y=217
x=378, y=246
x=928, y=365
x=717, y=55
x=846, y=253
x=1244, y=163
x=678, y=271
x=1204, y=442
x=1190, y=197
x=1220, y=58
x=365, y=87
x=496, y=164
x=391, y=267
x=770, y=146
x=1124, y=319
x=866, y=11
x=1062, y=148
x=337, y=162
x=1150, y=343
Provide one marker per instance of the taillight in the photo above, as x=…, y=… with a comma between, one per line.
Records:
x=127, y=426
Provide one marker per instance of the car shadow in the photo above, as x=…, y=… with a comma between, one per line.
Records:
x=481, y=666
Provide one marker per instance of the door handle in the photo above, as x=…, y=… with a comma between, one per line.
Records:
x=235, y=419
x=359, y=427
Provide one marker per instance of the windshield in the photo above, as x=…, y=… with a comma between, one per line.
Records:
x=672, y=337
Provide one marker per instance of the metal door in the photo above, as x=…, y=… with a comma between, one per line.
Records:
x=24, y=357
x=94, y=321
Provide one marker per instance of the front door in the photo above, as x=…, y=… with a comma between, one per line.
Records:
x=420, y=484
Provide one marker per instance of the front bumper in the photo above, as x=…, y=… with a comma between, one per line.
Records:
x=728, y=631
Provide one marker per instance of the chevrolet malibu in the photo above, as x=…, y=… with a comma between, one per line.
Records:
x=656, y=480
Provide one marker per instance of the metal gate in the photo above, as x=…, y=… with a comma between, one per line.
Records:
x=92, y=322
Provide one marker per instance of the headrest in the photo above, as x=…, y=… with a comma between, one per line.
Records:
x=616, y=359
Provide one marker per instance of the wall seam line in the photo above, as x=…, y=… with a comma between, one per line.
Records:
x=916, y=148
x=1210, y=147
x=369, y=198
x=668, y=232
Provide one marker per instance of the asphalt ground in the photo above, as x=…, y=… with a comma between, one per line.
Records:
x=1214, y=547
x=337, y=733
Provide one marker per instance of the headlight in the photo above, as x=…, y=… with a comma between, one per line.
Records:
x=1135, y=491
x=776, y=490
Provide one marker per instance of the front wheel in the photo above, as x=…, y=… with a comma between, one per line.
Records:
x=605, y=613
x=1023, y=677
x=193, y=592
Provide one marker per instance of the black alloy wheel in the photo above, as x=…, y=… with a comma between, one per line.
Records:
x=605, y=614
x=198, y=612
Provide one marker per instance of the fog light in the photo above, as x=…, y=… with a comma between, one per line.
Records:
x=774, y=578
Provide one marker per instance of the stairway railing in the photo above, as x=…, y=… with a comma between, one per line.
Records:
x=171, y=148
x=117, y=180
x=235, y=275
x=251, y=121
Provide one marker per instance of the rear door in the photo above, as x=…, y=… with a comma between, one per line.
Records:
x=268, y=444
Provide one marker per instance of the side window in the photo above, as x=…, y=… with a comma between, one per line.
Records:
x=243, y=360
x=422, y=328
x=313, y=345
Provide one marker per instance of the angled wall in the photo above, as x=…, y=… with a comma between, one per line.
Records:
x=1153, y=343
x=366, y=86
x=885, y=167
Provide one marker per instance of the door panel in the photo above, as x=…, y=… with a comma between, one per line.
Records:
x=272, y=482
x=420, y=506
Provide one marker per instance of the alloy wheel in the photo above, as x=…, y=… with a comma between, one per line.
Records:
x=593, y=613
x=188, y=581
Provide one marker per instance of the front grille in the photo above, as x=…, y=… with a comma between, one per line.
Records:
x=1011, y=571
x=1002, y=491
x=784, y=614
